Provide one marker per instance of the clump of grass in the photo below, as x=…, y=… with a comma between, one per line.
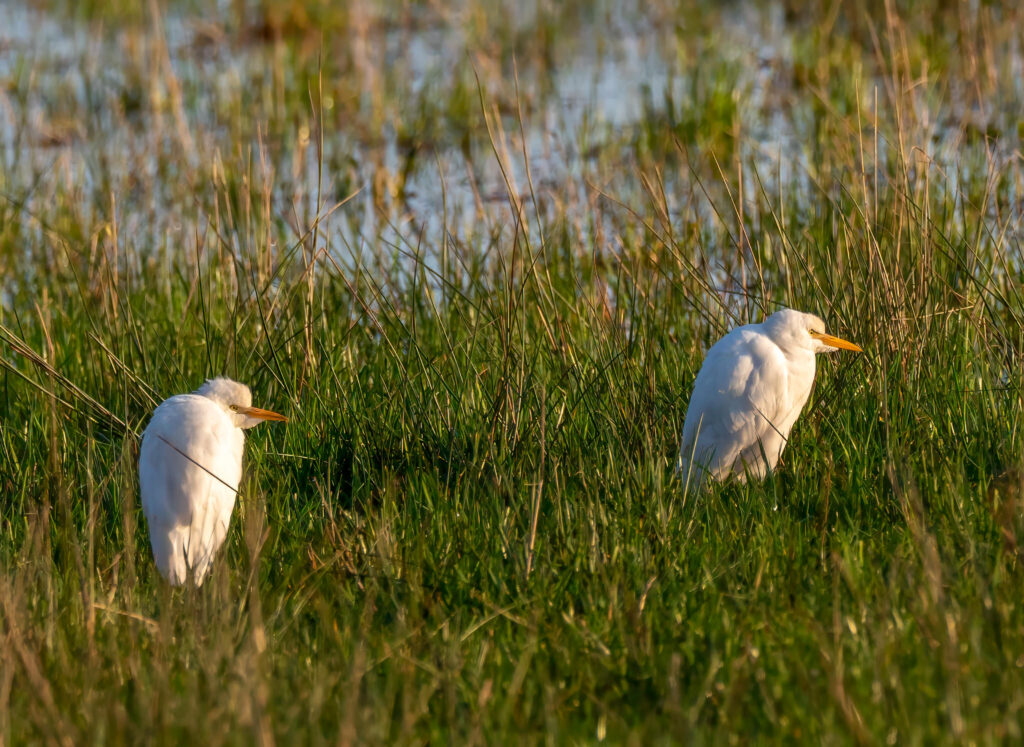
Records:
x=471, y=530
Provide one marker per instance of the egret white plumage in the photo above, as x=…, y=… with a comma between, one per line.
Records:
x=748, y=394
x=190, y=465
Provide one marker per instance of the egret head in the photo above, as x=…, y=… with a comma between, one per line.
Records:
x=236, y=399
x=795, y=330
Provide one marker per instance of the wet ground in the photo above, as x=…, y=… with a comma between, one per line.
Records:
x=424, y=122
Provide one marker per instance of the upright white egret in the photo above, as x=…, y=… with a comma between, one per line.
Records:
x=189, y=468
x=748, y=394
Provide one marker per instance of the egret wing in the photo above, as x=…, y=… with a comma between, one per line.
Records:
x=735, y=408
x=189, y=469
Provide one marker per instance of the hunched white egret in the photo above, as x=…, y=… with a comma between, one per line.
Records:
x=190, y=465
x=748, y=394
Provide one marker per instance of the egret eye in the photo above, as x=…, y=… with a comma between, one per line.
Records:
x=234, y=408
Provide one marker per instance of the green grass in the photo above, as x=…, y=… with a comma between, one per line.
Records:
x=470, y=530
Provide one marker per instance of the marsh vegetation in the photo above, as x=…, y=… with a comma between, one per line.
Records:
x=475, y=252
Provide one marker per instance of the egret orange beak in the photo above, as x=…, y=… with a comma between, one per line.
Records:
x=261, y=414
x=836, y=342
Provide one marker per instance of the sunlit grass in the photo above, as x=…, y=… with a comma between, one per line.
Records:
x=482, y=308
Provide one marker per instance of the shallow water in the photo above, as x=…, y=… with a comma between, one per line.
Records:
x=89, y=118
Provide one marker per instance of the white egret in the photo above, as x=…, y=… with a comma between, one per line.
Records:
x=190, y=464
x=748, y=394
